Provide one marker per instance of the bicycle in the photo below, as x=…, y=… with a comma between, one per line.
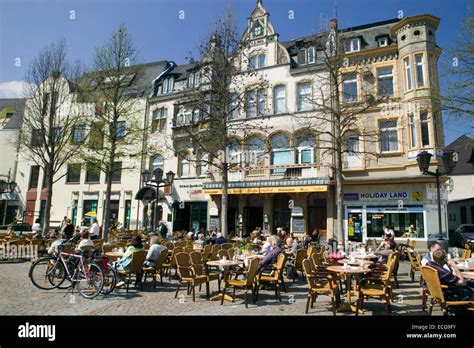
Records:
x=87, y=276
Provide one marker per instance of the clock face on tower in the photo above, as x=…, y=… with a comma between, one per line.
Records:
x=258, y=30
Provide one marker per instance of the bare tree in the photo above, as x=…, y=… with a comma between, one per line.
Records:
x=221, y=95
x=117, y=129
x=51, y=115
x=335, y=112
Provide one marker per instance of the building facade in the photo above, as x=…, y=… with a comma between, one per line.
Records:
x=282, y=176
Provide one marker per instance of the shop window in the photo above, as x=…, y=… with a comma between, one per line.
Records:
x=400, y=221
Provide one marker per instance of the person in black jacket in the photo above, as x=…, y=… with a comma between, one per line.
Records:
x=68, y=229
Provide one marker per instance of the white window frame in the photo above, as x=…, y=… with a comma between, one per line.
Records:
x=275, y=100
x=299, y=97
x=408, y=77
x=299, y=151
x=389, y=129
x=344, y=81
x=382, y=41
x=353, y=45
x=308, y=56
x=385, y=76
x=203, y=166
x=420, y=70
x=183, y=162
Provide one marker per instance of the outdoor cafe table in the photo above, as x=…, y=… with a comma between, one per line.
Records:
x=347, y=272
x=225, y=265
x=366, y=256
x=113, y=255
x=356, y=262
x=468, y=275
x=462, y=266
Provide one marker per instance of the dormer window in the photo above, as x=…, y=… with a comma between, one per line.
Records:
x=353, y=45
x=306, y=56
x=193, y=79
x=167, y=86
x=382, y=41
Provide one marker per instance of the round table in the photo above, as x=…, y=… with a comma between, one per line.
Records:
x=356, y=262
x=366, y=257
x=113, y=255
x=347, y=272
x=463, y=267
x=220, y=263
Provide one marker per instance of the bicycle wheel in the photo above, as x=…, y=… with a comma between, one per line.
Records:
x=110, y=280
x=90, y=281
x=42, y=275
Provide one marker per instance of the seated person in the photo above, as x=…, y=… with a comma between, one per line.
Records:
x=123, y=264
x=389, y=232
x=53, y=249
x=220, y=239
x=385, y=248
x=291, y=245
x=11, y=231
x=85, y=240
x=266, y=246
x=200, y=240
x=154, y=252
x=450, y=276
x=272, y=256
x=429, y=256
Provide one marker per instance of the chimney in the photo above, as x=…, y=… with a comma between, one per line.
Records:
x=334, y=23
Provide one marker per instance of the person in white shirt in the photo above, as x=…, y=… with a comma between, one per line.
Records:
x=36, y=228
x=154, y=252
x=85, y=240
x=53, y=249
x=95, y=229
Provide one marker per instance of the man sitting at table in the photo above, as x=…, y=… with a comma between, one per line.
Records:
x=220, y=239
x=386, y=248
x=272, y=255
x=154, y=252
x=451, y=276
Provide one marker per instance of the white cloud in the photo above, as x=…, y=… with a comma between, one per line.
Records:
x=13, y=89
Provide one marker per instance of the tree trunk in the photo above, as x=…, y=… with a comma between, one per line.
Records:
x=106, y=219
x=225, y=184
x=339, y=195
x=49, y=198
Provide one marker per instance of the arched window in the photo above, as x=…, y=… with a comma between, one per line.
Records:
x=305, y=146
x=234, y=151
x=255, y=151
x=158, y=162
x=280, y=152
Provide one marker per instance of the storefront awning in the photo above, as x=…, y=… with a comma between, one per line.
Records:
x=258, y=190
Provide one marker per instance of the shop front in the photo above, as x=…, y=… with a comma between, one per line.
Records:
x=407, y=209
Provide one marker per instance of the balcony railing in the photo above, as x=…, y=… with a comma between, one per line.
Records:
x=291, y=171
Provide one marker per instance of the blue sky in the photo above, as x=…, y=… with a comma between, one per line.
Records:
x=28, y=25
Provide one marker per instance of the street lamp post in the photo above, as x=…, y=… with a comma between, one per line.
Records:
x=449, y=161
x=155, y=182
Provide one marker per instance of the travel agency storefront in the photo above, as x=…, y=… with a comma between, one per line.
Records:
x=369, y=208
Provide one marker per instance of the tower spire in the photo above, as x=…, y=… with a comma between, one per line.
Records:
x=259, y=2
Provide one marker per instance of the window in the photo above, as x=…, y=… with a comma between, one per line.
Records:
x=463, y=214
x=235, y=152
x=401, y=221
x=233, y=111
x=382, y=41
x=96, y=138
x=411, y=120
x=304, y=96
x=349, y=88
x=158, y=162
x=57, y=133
x=168, y=85
x=431, y=63
x=255, y=151
x=388, y=136
x=305, y=145
x=353, y=45
x=419, y=70
x=184, y=167
x=257, y=61
x=352, y=143
x=159, y=120
x=73, y=174
x=406, y=62
x=36, y=138
x=203, y=164
x=121, y=129
x=184, y=117
x=92, y=173
x=191, y=80
x=311, y=56
x=280, y=152
x=425, y=132
x=251, y=104
x=79, y=134
x=197, y=79
x=34, y=175
x=385, y=81
x=302, y=56
x=196, y=117
x=261, y=102
x=116, y=172
x=279, y=99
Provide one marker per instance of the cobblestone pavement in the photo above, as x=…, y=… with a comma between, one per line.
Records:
x=20, y=297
